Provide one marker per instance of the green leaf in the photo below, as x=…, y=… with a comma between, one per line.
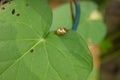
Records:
x=54, y=58
x=26, y=9
x=94, y=74
x=71, y=56
x=29, y=52
x=91, y=26
x=93, y=31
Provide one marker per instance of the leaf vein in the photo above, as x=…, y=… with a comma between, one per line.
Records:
x=49, y=61
x=41, y=40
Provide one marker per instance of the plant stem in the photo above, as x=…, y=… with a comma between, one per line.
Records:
x=77, y=17
x=72, y=12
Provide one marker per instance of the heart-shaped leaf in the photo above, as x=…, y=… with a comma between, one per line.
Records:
x=29, y=52
x=91, y=26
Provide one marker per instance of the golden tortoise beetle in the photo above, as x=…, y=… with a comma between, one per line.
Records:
x=61, y=31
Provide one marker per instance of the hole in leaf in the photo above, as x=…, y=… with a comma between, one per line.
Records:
x=13, y=11
x=32, y=50
x=17, y=14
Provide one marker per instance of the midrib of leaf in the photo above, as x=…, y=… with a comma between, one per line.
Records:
x=40, y=41
x=44, y=45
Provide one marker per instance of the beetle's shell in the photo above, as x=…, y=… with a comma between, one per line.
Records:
x=61, y=31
